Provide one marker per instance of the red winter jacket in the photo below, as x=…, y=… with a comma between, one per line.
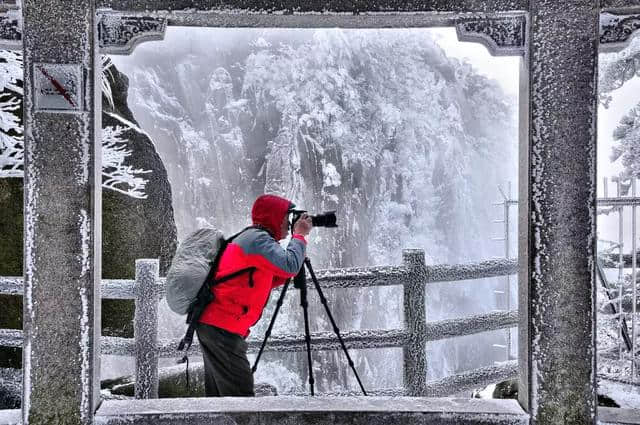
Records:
x=239, y=302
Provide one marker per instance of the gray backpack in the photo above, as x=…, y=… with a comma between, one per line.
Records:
x=190, y=267
x=190, y=278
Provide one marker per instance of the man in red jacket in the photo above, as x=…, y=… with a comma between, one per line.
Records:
x=239, y=301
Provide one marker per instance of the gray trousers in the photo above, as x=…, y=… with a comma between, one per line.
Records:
x=226, y=367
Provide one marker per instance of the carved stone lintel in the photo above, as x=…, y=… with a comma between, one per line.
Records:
x=119, y=34
x=501, y=35
x=616, y=31
x=10, y=30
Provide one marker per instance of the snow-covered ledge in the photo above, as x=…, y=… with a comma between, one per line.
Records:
x=308, y=410
x=497, y=411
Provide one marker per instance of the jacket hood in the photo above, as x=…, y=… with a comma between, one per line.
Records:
x=268, y=211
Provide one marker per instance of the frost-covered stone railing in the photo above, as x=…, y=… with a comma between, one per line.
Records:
x=148, y=288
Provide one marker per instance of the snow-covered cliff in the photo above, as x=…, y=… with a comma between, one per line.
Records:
x=407, y=144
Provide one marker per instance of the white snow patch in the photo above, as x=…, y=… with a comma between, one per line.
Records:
x=487, y=392
x=31, y=198
x=85, y=329
x=128, y=124
x=331, y=197
x=204, y=181
x=260, y=43
x=83, y=178
x=203, y=222
x=85, y=233
x=192, y=139
x=331, y=175
x=279, y=375
x=236, y=105
x=85, y=344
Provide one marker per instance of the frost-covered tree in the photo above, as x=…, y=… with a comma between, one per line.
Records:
x=11, y=138
x=117, y=174
x=421, y=125
x=627, y=136
x=616, y=69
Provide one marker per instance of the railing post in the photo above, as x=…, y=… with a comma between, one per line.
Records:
x=146, y=328
x=415, y=355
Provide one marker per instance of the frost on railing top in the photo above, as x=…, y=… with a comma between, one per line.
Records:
x=353, y=277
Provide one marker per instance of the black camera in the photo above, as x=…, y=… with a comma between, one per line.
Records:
x=326, y=219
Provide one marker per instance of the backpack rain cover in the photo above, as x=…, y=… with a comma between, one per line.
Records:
x=190, y=266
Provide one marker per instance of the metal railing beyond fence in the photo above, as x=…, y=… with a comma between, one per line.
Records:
x=623, y=292
x=148, y=288
x=623, y=305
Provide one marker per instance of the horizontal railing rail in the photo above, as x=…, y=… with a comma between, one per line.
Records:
x=11, y=285
x=355, y=277
x=413, y=274
x=472, y=379
x=451, y=328
x=465, y=381
x=11, y=338
x=361, y=339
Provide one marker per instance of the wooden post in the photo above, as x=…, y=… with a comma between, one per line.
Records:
x=146, y=328
x=415, y=355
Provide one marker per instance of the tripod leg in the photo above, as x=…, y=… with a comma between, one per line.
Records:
x=323, y=299
x=307, y=335
x=273, y=320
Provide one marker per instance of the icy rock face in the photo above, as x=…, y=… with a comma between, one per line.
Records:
x=314, y=115
x=409, y=161
x=133, y=228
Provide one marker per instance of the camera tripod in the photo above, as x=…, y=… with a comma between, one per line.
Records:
x=300, y=282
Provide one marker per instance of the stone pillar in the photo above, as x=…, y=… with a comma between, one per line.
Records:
x=558, y=239
x=415, y=355
x=62, y=212
x=145, y=328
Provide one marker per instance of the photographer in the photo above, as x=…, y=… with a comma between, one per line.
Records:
x=239, y=302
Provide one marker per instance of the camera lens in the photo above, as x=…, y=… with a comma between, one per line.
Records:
x=327, y=219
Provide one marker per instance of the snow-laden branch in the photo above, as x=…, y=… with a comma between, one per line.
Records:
x=107, y=76
x=11, y=70
x=116, y=175
x=11, y=138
